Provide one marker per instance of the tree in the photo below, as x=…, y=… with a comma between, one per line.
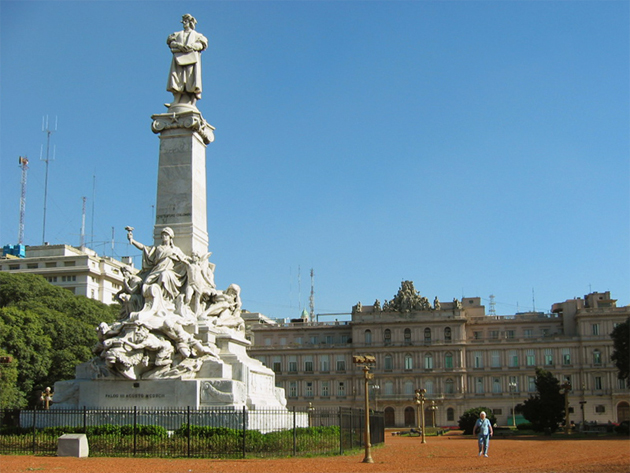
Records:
x=621, y=350
x=47, y=330
x=467, y=420
x=545, y=409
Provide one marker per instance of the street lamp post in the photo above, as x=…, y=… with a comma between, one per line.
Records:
x=433, y=409
x=375, y=389
x=420, y=403
x=367, y=376
x=566, y=386
x=512, y=387
x=582, y=402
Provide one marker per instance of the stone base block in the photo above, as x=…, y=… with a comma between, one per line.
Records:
x=73, y=445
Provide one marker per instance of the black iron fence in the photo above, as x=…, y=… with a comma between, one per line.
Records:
x=210, y=433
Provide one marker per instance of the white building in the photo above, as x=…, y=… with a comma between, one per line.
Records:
x=79, y=270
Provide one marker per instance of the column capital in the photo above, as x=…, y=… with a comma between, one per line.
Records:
x=189, y=119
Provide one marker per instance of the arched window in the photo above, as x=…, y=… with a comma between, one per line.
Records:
x=409, y=388
x=428, y=361
x=449, y=386
x=597, y=357
x=408, y=361
x=387, y=337
x=447, y=334
x=448, y=360
x=389, y=388
x=450, y=414
x=368, y=337
x=427, y=335
x=428, y=385
x=407, y=336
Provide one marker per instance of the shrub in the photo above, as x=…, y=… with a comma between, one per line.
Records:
x=525, y=426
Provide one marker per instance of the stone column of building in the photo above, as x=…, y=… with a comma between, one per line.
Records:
x=181, y=188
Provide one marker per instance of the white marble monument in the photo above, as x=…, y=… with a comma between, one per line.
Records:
x=179, y=341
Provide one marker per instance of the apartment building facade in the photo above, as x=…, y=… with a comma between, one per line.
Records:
x=461, y=356
x=80, y=270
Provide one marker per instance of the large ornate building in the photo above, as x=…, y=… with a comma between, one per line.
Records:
x=461, y=356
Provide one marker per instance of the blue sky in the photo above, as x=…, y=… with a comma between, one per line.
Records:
x=475, y=148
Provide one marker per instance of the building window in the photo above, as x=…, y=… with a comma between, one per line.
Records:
x=478, y=359
x=32, y=265
x=497, y=412
x=407, y=336
x=479, y=385
x=314, y=339
x=51, y=265
x=530, y=358
x=308, y=391
x=448, y=361
x=69, y=263
x=600, y=409
x=368, y=337
x=293, y=364
x=308, y=363
x=548, y=356
x=298, y=340
x=447, y=334
x=408, y=388
x=267, y=342
x=477, y=335
x=494, y=334
x=387, y=337
x=293, y=390
x=513, y=359
x=449, y=386
x=341, y=389
x=389, y=388
x=330, y=340
x=509, y=334
x=408, y=362
x=428, y=361
x=597, y=357
x=528, y=333
x=598, y=383
x=450, y=414
x=341, y=363
x=277, y=364
x=324, y=363
x=495, y=359
x=325, y=389
x=595, y=329
x=531, y=384
x=283, y=341
x=427, y=335
x=428, y=385
x=566, y=356
x=13, y=267
x=388, y=363
x=496, y=385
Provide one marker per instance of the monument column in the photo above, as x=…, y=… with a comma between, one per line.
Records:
x=181, y=187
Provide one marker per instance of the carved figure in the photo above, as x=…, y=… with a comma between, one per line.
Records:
x=227, y=309
x=377, y=306
x=130, y=296
x=184, y=78
x=162, y=265
x=436, y=304
x=200, y=281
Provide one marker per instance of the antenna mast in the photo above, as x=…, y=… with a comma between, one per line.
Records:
x=92, y=219
x=493, y=310
x=48, y=132
x=312, y=298
x=23, y=160
x=299, y=290
x=83, y=224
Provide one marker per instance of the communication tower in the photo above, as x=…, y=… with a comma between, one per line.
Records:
x=46, y=129
x=492, y=310
x=23, y=160
x=312, y=298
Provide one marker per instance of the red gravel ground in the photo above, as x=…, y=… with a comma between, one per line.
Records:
x=451, y=453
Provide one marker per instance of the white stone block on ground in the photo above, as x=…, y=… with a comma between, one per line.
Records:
x=73, y=445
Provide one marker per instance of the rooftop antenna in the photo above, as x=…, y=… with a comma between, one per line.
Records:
x=299, y=289
x=92, y=218
x=312, y=298
x=113, y=234
x=46, y=129
x=23, y=160
x=533, y=301
x=493, y=310
x=83, y=224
